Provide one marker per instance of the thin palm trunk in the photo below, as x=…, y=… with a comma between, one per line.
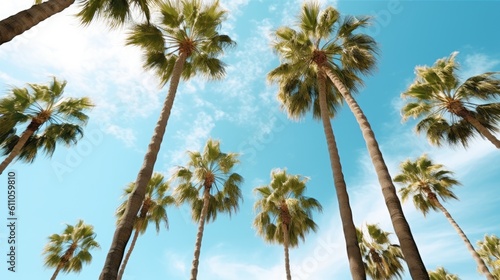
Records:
x=480, y=263
x=483, y=130
x=402, y=229
x=32, y=127
x=25, y=20
x=127, y=256
x=286, y=245
x=64, y=259
x=353, y=252
x=59, y=267
x=125, y=227
x=199, y=235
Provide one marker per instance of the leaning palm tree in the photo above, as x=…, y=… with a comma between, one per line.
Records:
x=152, y=211
x=326, y=45
x=425, y=181
x=442, y=274
x=51, y=118
x=284, y=214
x=210, y=186
x=114, y=12
x=448, y=109
x=186, y=42
x=67, y=252
x=489, y=250
x=382, y=259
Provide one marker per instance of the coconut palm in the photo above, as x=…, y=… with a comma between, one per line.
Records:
x=326, y=45
x=381, y=258
x=152, y=211
x=114, y=12
x=69, y=251
x=448, y=109
x=442, y=274
x=284, y=214
x=425, y=181
x=489, y=250
x=186, y=42
x=208, y=184
x=51, y=118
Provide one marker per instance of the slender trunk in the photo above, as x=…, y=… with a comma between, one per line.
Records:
x=286, y=244
x=56, y=272
x=32, y=127
x=125, y=227
x=25, y=20
x=64, y=260
x=483, y=130
x=129, y=252
x=402, y=229
x=480, y=263
x=199, y=235
x=353, y=252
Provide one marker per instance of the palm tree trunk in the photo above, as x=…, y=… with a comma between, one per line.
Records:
x=353, y=252
x=483, y=130
x=125, y=227
x=199, y=235
x=286, y=242
x=402, y=229
x=58, y=268
x=480, y=263
x=129, y=252
x=32, y=127
x=25, y=20
x=65, y=259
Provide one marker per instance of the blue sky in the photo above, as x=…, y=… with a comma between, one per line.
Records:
x=86, y=181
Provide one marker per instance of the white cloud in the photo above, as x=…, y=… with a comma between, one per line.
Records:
x=477, y=63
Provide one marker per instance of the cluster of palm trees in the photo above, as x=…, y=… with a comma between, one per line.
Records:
x=322, y=60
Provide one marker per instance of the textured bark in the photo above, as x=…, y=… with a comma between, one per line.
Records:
x=25, y=20
x=353, y=252
x=286, y=244
x=480, y=263
x=483, y=130
x=127, y=256
x=409, y=248
x=199, y=235
x=125, y=227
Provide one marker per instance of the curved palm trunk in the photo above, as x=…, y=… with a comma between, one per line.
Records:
x=402, y=229
x=286, y=242
x=199, y=235
x=32, y=127
x=483, y=130
x=125, y=227
x=127, y=256
x=353, y=252
x=25, y=20
x=64, y=259
x=56, y=272
x=480, y=263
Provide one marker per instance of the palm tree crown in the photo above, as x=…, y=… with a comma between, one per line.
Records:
x=51, y=118
x=114, y=12
x=382, y=259
x=68, y=251
x=442, y=274
x=489, y=250
x=448, y=109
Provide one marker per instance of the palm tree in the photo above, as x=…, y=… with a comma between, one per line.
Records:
x=448, y=109
x=328, y=45
x=442, y=274
x=284, y=214
x=381, y=258
x=51, y=118
x=208, y=184
x=115, y=12
x=489, y=250
x=425, y=181
x=68, y=251
x=185, y=43
x=152, y=211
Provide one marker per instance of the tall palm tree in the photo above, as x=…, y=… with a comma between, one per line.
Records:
x=489, y=250
x=210, y=186
x=448, y=109
x=284, y=214
x=152, y=211
x=382, y=259
x=328, y=45
x=425, y=181
x=51, y=118
x=442, y=274
x=115, y=12
x=67, y=252
x=186, y=42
